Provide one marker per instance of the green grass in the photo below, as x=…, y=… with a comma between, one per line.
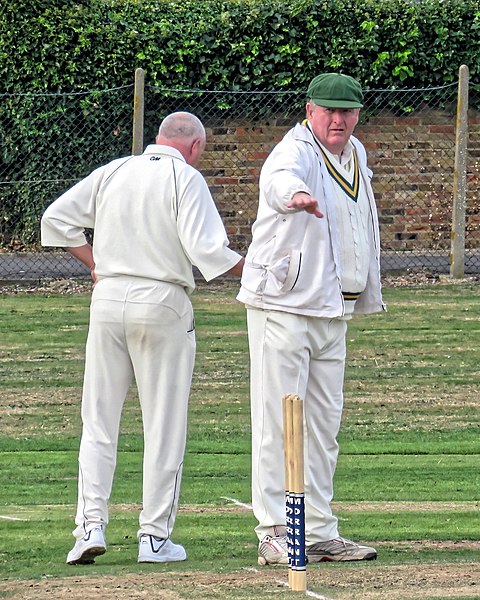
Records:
x=409, y=466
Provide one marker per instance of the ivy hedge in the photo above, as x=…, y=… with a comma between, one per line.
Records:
x=72, y=47
x=64, y=45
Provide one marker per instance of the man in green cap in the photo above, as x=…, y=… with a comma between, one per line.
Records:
x=314, y=261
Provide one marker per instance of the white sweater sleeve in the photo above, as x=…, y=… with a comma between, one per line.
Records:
x=65, y=220
x=284, y=173
x=200, y=228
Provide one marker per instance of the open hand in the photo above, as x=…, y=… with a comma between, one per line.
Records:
x=303, y=201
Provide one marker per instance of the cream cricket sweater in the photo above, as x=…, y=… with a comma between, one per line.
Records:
x=153, y=217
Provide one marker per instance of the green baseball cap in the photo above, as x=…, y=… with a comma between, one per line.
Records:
x=333, y=90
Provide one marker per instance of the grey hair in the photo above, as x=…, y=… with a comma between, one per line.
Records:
x=181, y=125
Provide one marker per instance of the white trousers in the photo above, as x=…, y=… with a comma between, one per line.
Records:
x=295, y=354
x=139, y=329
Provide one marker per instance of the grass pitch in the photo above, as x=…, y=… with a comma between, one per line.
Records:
x=407, y=480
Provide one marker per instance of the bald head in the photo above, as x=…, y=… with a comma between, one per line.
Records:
x=181, y=125
x=185, y=132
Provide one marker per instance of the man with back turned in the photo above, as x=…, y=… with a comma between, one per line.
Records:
x=153, y=218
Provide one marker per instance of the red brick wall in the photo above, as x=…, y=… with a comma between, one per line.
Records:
x=412, y=158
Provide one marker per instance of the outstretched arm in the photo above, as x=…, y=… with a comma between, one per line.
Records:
x=303, y=201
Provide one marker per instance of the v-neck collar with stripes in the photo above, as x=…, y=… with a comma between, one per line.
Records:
x=350, y=188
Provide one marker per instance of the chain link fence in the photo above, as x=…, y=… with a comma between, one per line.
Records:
x=51, y=141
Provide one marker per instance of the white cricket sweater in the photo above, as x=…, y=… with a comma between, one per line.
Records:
x=294, y=262
x=153, y=217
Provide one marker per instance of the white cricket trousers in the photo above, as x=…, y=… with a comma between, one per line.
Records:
x=140, y=329
x=295, y=354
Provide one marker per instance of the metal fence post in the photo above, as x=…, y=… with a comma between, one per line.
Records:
x=138, y=111
x=457, y=252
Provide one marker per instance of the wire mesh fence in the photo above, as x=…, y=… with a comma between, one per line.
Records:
x=51, y=141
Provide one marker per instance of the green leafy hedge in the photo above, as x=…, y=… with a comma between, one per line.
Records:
x=60, y=46
x=233, y=44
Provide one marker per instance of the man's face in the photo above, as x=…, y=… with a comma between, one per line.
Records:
x=332, y=126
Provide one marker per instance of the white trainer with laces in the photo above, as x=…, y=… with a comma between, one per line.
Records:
x=272, y=550
x=87, y=548
x=152, y=549
x=339, y=549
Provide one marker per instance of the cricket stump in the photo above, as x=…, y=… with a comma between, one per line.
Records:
x=295, y=492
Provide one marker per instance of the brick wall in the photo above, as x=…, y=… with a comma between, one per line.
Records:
x=412, y=158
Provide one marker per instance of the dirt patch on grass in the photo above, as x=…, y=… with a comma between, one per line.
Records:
x=17, y=399
x=463, y=397
x=367, y=581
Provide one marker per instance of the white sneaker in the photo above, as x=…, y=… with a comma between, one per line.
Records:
x=87, y=548
x=339, y=549
x=272, y=550
x=152, y=549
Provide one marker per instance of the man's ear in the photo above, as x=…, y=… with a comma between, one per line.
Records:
x=195, y=144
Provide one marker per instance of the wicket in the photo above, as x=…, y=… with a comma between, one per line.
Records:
x=294, y=492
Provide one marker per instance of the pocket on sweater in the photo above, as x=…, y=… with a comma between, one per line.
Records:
x=282, y=276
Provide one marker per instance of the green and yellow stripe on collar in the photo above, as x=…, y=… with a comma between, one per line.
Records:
x=350, y=189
